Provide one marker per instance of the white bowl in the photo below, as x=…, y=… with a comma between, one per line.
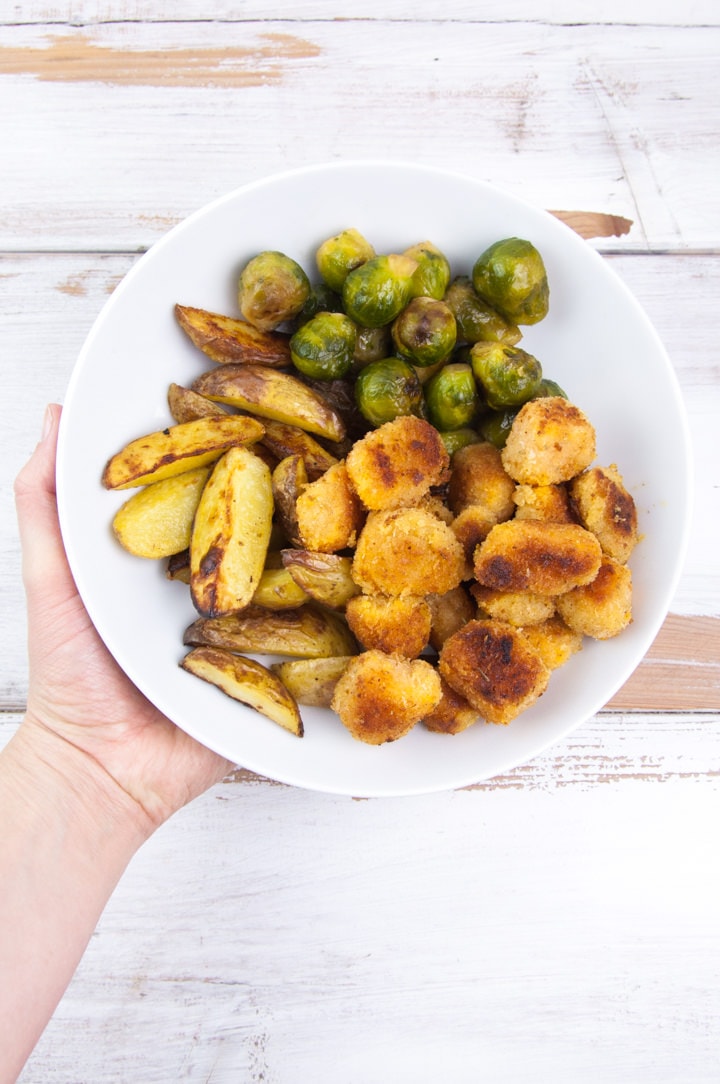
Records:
x=596, y=342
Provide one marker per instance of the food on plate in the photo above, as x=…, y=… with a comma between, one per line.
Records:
x=378, y=485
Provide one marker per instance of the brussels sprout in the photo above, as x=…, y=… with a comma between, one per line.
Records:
x=425, y=331
x=496, y=425
x=432, y=275
x=377, y=291
x=451, y=397
x=454, y=439
x=547, y=389
x=272, y=288
x=386, y=389
x=372, y=344
x=476, y=320
x=320, y=299
x=341, y=254
x=323, y=347
x=509, y=376
x=511, y=276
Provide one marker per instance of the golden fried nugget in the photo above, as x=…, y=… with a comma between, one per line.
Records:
x=329, y=514
x=550, y=441
x=380, y=697
x=398, y=626
x=603, y=608
x=396, y=464
x=407, y=551
x=479, y=477
x=516, y=607
x=450, y=612
x=606, y=508
x=553, y=640
x=472, y=526
x=497, y=671
x=452, y=714
x=534, y=555
x=543, y=502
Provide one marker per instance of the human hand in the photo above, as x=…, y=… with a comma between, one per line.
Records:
x=77, y=692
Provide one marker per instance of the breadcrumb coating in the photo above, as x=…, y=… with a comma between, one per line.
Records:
x=380, y=697
x=398, y=626
x=407, y=551
x=534, y=555
x=550, y=441
x=603, y=608
x=606, y=508
x=479, y=477
x=396, y=464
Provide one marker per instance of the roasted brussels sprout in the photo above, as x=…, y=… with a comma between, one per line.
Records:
x=454, y=439
x=548, y=388
x=476, y=320
x=339, y=255
x=320, y=299
x=372, y=344
x=377, y=291
x=425, y=331
x=511, y=276
x=451, y=397
x=496, y=425
x=272, y=288
x=508, y=375
x=323, y=347
x=386, y=389
x=432, y=275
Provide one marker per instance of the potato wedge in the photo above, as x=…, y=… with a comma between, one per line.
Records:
x=228, y=340
x=288, y=481
x=247, y=681
x=157, y=520
x=271, y=394
x=326, y=577
x=278, y=590
x=307, y=632
x=231, y=533
x=186, y=405
x=178, y=567
x=312, y=681
x=284, y=440
x=177, y=449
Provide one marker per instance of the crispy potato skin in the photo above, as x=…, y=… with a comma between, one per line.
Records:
x=307, y=631
x=603, y=608
x=407, y=551
x=396, y=464
x=380, y=697
x=494, y=668
x=479, y=477
x=550, y=441
x=186, y=405
x=329, y=514
x=311, y=681
x=289, y=478
x=285, y=440
x=533, y=555
x=605, y=507
x=397, y=626
x=228, y=340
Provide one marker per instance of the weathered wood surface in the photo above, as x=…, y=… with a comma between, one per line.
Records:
x=561, y=921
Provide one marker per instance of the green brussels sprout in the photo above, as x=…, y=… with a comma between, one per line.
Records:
x=320, y=299
x=508, y=375
x=496, y=426
x=451, y=396
x=272, y=288
x=549, y=388
x=476, y=320
x=432, y=275
x=341, y=254
x=386, y=389
x=377, y=291
x=511, y=276
x=372, y=344
x=425, y=331
x=455, y=439
x=323, y=347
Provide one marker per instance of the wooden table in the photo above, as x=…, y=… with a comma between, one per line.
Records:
x=560, y=922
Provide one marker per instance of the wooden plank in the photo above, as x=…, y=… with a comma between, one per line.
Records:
x=681, y=671
x=609, y=118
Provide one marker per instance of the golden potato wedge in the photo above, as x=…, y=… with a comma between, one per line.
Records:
x=288, y=481
x=271, y=394
x=326, y=577
x=231, y=533
x=307, y=632
x=157, y=520
x=277, y=590
x=312, y=681
x=228, y=340
x=177, y=449
x=178, y=567
x=186, y=405
x=284, y=440
x=248, y=681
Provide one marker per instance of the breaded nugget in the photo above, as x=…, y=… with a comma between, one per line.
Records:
x=380, y=697
x=606, y=508
x=534, y=555
x=494, y=668
x=478, y=477
x=550, y=441
x=553, y=640
x=516, y=607
x=603, y=608
x=452, y=714
x=398, y=626
x=329, y=513
x=471, y=527
x=450, y=612
x=407, y=551
x=396, y=464
x=544, y=502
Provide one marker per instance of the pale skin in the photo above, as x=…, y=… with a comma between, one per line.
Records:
x=90, y=774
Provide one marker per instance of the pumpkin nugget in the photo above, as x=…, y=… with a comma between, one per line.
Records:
x=452, y=714
x=380, y=697
x=407, y=551
x=328, y=512
x=606, y=508
x=399, y=626
x=533, y=555
x=553, y=640
x=396, y=464
x=602, y=608
x=479, y=477
x=494, y=668
x=550, y=441
x=544, y=502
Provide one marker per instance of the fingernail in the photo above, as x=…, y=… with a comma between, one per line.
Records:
x=47, y=424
